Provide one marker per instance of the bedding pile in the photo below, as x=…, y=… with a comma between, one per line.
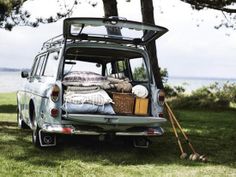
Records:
x=85, y=93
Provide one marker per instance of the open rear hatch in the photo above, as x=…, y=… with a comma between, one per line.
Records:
x=81, y=73
x=111, y=30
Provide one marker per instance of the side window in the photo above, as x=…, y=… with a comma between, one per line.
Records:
x=51, y=64
x=38, y=66
x=121, y=67
x=108, y=71
x=118, y=70
x=138, y=69
x=34, y=68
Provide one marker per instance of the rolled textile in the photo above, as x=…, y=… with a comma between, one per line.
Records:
x=140, y=91
x=124, y=86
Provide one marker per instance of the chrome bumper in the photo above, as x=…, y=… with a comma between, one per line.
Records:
x=69, y=129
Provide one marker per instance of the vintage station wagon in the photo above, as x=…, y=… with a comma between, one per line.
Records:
x=94, y=79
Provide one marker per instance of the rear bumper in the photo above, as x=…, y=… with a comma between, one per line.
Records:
x=70, y=129
x=115, y=120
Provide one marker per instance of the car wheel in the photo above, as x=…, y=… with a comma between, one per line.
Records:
x=35, y=137
x=39, y=138
x=20, y=122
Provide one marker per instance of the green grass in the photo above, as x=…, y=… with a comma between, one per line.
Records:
x=212, y=133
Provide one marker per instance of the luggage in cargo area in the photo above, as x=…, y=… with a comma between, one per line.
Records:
x=123, y=103
x=141, y=106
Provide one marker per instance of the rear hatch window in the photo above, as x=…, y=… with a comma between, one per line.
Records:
x=112, y=30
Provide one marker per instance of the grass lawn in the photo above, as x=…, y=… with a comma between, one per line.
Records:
x=212, y=133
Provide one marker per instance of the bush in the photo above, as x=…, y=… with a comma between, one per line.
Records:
x=173, y=91
x=214, y=97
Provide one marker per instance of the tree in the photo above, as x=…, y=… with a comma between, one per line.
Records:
x=140, y=73
x=212, y=4
x=148, y=17
x=11, y=14
x=7, y=8
x=110, y=8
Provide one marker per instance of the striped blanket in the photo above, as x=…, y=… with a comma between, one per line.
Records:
x=84, y=78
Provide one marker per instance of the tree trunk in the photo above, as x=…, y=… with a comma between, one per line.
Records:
x=110, y=8
x=148, y=17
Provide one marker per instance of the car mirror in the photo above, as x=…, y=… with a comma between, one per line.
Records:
x=24, y=74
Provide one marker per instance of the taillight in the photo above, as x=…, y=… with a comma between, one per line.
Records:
x=67, y=130
x=161, y=114
x=54, y=112
x=150, y=131
x=55, y=93
x=161, y=97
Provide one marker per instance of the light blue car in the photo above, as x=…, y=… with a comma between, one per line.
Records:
x=95, y=79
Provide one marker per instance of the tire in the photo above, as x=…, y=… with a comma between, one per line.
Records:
x=35, y=130
x=41, y=139
x=20, y=122
x=35, y=137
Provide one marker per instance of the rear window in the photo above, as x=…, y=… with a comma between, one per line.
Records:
x=107, y=62
x=73, y=65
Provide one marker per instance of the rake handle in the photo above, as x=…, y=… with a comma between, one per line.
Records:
x=176, y=134
x=171, y=114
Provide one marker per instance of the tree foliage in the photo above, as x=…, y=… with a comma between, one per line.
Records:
x=12, y=14
x=221, y=5
x=9, y=9
x=140, y=73
x=227, y=7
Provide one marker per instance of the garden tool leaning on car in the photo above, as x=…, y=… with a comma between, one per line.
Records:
x=174, y=122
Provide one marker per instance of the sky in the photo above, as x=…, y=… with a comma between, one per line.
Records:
x=191, y=48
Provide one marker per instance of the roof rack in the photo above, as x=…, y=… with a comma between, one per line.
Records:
x=57, y=40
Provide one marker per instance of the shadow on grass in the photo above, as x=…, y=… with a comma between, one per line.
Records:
x=212, y=139
x=10, y=108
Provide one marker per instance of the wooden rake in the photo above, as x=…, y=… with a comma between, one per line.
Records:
x=173, y=120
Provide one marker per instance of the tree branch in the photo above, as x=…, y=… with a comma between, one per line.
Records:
x=216, y=5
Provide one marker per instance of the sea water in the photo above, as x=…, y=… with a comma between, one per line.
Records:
x=12, y=81
x=193, y=83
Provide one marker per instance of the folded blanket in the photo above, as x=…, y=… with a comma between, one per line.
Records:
x=80, y=89
x=99, y=98
x=88, y=108
x=84, y=78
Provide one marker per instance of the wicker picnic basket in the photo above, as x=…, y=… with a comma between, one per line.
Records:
x=123, y=103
